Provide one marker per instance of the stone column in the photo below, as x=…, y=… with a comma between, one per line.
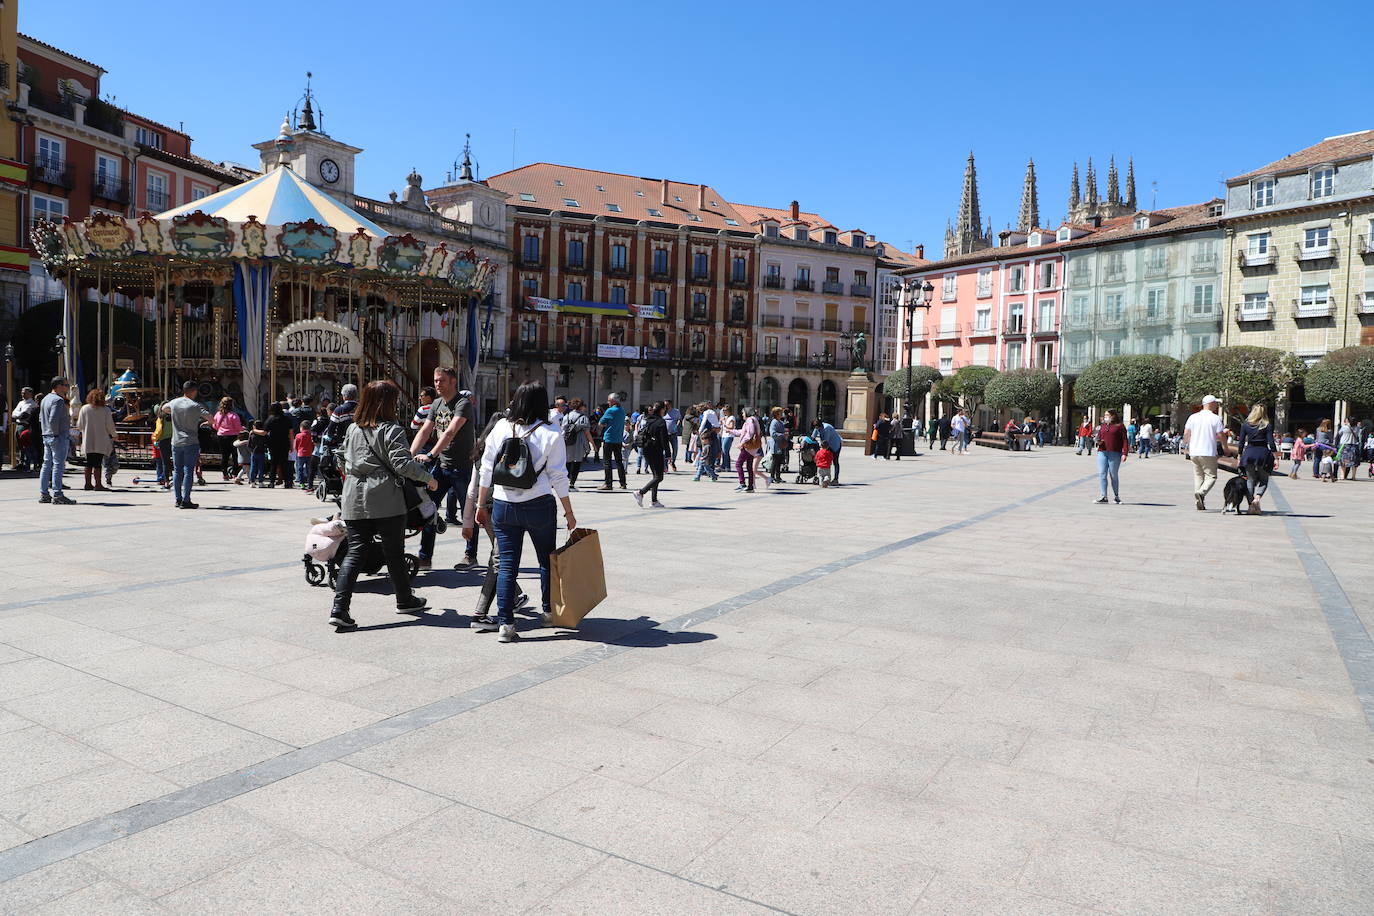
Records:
x=677, y=387
x=717, y=377
x=636, y=381
x=551, y=378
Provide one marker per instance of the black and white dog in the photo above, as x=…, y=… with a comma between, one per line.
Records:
x=1234, y=491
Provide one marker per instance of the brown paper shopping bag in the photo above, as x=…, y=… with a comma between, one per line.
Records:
x=577, y=578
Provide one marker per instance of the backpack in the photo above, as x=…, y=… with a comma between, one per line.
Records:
x=514, y=465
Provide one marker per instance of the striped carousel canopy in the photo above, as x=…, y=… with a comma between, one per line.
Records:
x=278, y=197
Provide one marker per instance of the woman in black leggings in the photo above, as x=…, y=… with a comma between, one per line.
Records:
x=654, y=446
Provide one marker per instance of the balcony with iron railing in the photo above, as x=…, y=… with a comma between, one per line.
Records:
x=701, y=278
x=771, y=321
x=1157, y=268
x=156, y=201
x=54, y=103
x=575, y=267
x=802, y=322
x=52, y=170
x=857, y=327
x=1113, y=273
x=1313, y=309
x=984, y=328
x=1205, y=263
x=1080, y=278
x=1253, y=311
x=833, y=325
x=832, y=287
x=1111, y=319
x=948, y=293
x=1366, y=245
x=805, y=286
x=1199, y=314
x=737, y=318
x=1014, y=326
x=618, y=270
x=1365, y=304
x=1303, y=252
x=861, y=290
x=983, y=291
x=1044, y=330
x=1257, y=258
x=660, y=273
x=946, y=332
x=700, y=313
x=774, y=281
x=1149, y=317
x=1080, y=322
x=108, y=187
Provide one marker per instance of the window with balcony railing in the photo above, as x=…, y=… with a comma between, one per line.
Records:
x=806, y=285
x=802, y=322
x=832, y=287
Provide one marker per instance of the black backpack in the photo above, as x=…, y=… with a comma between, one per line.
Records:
x=514, y=465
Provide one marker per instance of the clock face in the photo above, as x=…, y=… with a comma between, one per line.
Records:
x=488, y=215
x=329, y=170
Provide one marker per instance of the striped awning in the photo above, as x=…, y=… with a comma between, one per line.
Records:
x=276, y=198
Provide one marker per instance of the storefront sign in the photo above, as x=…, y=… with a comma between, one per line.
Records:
x=615, y=351
x=318, y=338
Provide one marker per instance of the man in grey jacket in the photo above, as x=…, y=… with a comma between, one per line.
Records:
x=55, y=414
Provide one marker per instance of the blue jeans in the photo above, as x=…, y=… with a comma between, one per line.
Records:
x=448, y=480
x=725, y=452
x=1143, y=445
x=184, y=458
x=54, y=464
x=512, y=521
x=257, y=467
x=302, y=469
x=1108, y=467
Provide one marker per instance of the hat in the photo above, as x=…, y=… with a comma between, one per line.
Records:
x=1209, y=399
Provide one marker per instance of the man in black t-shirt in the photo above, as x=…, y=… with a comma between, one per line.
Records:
x=453, y=422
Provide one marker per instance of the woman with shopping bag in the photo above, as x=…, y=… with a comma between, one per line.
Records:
x=523, y=478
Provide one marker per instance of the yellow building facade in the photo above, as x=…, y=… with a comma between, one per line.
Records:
x=1299, y=237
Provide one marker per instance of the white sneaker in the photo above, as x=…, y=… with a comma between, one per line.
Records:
x=486, y=625
x=507, y=633
x=639, y=499
x=658, y=505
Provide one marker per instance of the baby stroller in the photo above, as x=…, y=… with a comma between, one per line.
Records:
x=326, y=546
x=328, y=478
x=806, y=461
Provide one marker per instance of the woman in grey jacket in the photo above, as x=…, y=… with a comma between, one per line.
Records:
x=373, y=502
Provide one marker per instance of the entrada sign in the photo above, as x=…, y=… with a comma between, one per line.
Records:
x=318, y=338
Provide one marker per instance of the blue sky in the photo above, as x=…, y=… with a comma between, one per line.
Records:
x=864, y=113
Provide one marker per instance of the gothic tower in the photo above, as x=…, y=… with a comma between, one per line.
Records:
x=1130, y=184
x=1113, y=184
x=968, y=234
x=1090, y=199
x=1084, y=207
x=1029, y=217
x=1075, y=196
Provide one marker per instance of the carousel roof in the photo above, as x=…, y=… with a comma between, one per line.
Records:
x=280, y=196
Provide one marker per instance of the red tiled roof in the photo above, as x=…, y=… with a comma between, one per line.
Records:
x=1332, y=149
x=44, y=44
x=581, y=185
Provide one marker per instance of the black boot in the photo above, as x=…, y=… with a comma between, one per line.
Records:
x=340, y=618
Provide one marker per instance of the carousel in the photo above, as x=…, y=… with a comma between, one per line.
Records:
x=264, y=290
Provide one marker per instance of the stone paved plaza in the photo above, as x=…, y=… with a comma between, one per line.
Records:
x=953, y=686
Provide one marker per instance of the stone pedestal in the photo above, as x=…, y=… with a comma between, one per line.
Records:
x=858, y=411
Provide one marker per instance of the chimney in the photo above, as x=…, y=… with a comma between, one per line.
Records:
x=665, y=192
x=796, y=210
x=921, y=252
x=701, y=197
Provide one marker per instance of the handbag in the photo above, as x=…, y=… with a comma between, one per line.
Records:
x=420, y=509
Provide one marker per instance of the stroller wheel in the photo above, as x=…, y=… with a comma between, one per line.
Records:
x=412, y=565
x=314, y=574
x=440, y=526
x=333, y=579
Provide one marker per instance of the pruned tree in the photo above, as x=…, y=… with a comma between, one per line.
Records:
x=1141, y=380
x=971, y=383
x=922, y=377
x=1248, y=375
x=1346, y=374
x=1023, y=389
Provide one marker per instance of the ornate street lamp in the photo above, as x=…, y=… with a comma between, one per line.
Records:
x=9, y=402
x=912, y=294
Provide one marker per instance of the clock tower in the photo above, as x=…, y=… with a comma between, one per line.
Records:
x=470, y=201
x=310, y=152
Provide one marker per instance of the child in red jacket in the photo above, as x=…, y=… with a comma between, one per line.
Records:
x=825, y=459
x=305, y=447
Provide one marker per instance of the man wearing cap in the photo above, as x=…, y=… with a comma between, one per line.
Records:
x=1200, y=437
x=187, y=414
x=451, y=420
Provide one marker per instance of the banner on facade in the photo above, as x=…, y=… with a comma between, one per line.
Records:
x=652, y=312
x=603, y=309
x=318, y=338
x=616, y=351
x=540, y=304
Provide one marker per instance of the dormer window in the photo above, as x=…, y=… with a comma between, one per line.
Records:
x=770, y=230
x=856, y=240
x=832, y=238
x=1262, y=192
x=1322, y=182
x=799, y=233
x=1142, y=222
x=1062, y=235
x=1034, y=239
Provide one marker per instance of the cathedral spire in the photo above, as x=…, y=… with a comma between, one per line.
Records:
x=308, y=112
x=1090, y=190
x=967, y=234
x=1075, y=196
x=970, y=217
x=1029, y=217
x=1113, y=183
x=1130, y=184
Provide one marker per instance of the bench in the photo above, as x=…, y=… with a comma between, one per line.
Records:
x=999, y=440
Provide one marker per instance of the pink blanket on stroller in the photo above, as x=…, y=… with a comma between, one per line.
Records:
x=324, y=539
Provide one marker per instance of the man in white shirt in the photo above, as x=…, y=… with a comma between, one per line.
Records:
x=709, y=434
x=957, y=426
x=1145, y=439
x=559, y=411
x=1200, y=437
